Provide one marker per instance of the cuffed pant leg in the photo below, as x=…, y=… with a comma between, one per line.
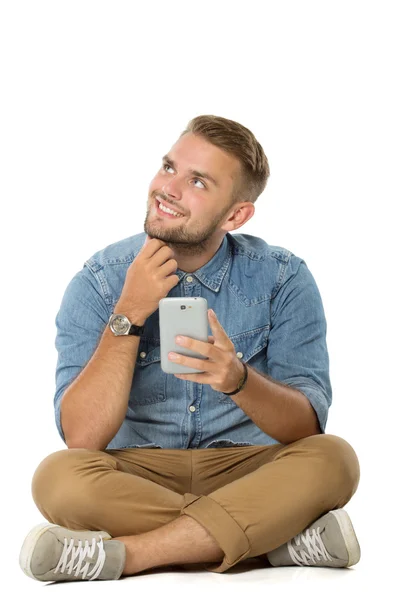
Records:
x=221, y=525
x=264, y=509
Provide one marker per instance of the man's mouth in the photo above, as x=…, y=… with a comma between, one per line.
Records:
x=165, y=210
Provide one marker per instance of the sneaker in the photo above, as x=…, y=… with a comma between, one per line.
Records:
x=328, y=542
x=53, y=553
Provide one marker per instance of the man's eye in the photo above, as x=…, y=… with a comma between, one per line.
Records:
x=167, y=166
x=204, y=187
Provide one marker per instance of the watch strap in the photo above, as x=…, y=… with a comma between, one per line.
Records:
x=241, y=382
x=136, y=330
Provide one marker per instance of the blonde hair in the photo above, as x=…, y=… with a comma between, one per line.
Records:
x=235, y=139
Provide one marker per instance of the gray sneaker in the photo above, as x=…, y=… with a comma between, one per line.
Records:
x=328, y=542
x=53, y=553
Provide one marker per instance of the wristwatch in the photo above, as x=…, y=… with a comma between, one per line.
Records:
x=121, y=325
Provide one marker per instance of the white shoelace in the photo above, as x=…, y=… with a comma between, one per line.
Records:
x=313, y=548
x=82, y=553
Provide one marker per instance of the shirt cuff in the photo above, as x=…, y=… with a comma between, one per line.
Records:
x=315, y=396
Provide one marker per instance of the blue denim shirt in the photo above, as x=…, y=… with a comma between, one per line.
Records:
x=268, y=303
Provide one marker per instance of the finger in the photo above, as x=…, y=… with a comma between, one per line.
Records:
x=211, y=339
x=220, y=333
x=214, y=323
x=204, y=348
x=194, y=363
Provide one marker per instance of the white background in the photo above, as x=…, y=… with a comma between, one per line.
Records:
x=94, y=93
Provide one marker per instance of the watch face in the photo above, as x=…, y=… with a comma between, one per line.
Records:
x=120, y=324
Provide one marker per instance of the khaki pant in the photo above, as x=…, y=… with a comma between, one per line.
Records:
x=251, y=499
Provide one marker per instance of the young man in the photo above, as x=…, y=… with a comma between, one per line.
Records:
x=212, y=467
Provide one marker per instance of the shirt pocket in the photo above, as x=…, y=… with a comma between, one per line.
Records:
x=149, y=385
x=251, y=348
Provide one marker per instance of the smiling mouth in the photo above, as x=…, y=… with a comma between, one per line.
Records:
x=178, y=216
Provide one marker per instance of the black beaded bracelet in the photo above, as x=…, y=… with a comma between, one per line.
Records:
x=240, y=385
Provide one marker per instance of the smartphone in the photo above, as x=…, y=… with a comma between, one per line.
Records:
x=181, y=316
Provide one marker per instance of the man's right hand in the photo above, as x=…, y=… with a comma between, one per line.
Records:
x=148, y=279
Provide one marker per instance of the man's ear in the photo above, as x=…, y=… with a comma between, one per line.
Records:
x=240, y=216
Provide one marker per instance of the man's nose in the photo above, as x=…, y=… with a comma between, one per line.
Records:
x=172, y=188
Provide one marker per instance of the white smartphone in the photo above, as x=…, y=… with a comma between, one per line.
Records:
x=181, y=316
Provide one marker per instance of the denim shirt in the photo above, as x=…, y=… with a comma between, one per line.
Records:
x=268, y=303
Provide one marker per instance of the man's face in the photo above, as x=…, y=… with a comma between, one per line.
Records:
x=204, y=203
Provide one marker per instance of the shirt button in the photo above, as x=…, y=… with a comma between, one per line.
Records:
x=143, y=355
x=189, y=278
x=239, y=354
x=192, y=408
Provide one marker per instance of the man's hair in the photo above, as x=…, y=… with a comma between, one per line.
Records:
x=235, y=139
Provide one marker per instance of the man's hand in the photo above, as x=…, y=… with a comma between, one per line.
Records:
x=222, y=370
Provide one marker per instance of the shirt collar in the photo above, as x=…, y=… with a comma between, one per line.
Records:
x=212, y=273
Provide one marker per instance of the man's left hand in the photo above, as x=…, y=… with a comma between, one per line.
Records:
x=222, y=370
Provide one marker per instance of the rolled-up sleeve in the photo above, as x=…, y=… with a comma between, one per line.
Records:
x=80, y=322
x=297, y=353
